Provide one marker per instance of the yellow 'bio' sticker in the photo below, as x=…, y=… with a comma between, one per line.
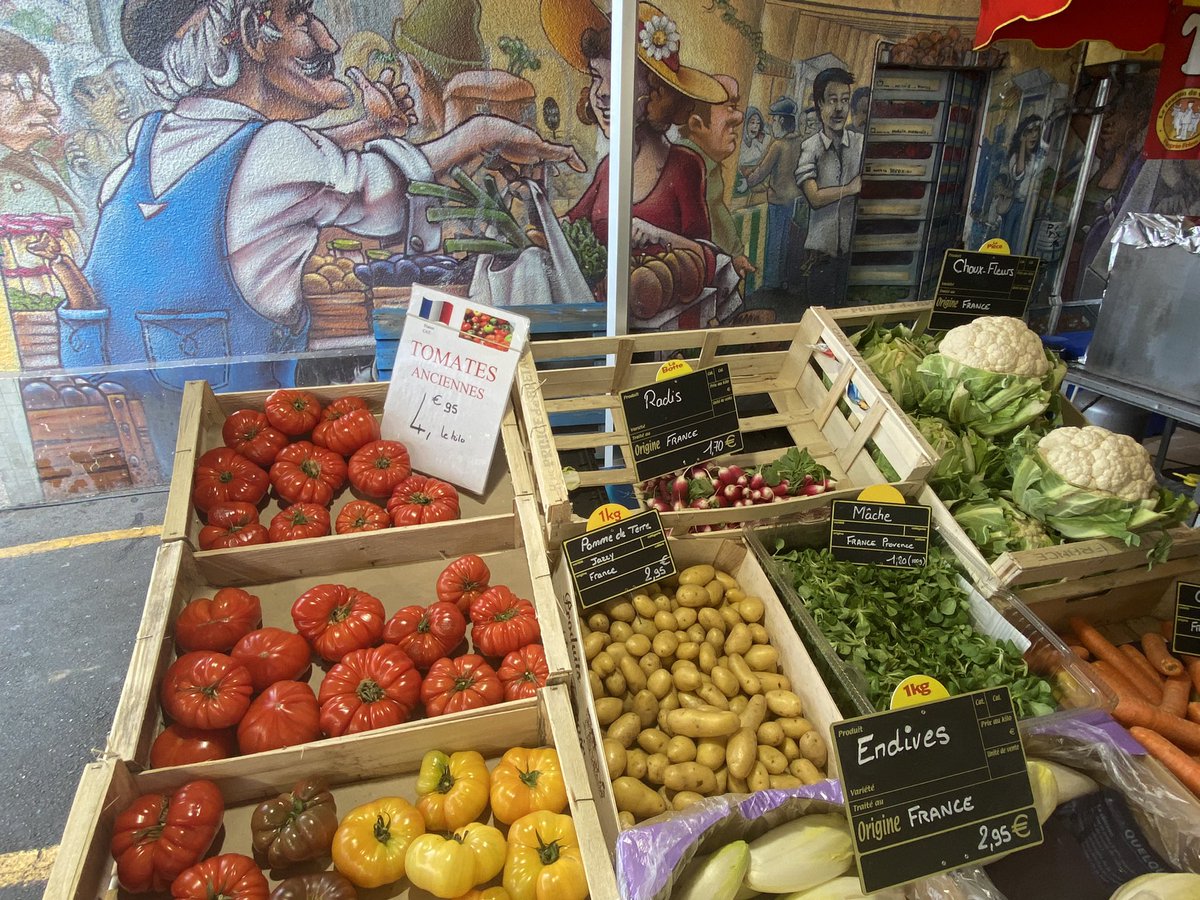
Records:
x=917, y=689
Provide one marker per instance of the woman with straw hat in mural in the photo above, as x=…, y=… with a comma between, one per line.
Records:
x=669, y=209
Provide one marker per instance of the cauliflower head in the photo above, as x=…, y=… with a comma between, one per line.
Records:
x=1096, y=459
x=1000, y=344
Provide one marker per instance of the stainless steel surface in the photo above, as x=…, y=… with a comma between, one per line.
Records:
x=1168, y=405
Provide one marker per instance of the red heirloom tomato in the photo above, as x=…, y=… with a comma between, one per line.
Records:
x=284, y=715
x=233, y=524
x=362, y=515
x=224, y=475
x=465, y=682
x=249, y=433
x=336, y=619
x=376, y=468
x=157, y=836
x=426, y=633
x=502, y=622
x=300, y=521
x=292, y=412
x=346, y=424
x=462, y=581
x=178, y=745
x=306, y=473
x=419, y=500
x=206, y=690
x=369, y=689
x=219, y=623
x=271, y=655
x=230, y=876
x=523, y=672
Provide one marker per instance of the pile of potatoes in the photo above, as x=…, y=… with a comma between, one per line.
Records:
x=689, y=695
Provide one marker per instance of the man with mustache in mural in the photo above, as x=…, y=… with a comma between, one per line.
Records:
x=205, y=227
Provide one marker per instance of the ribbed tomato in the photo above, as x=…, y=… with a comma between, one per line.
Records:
x=233, y=524
x=524, y=671
x=426, y=633
x=369, y=689
x=178, y=745
x=249, y=433
x=376, y=468
x=224, y=475
x=346, y=424
x=418, y=500
x=219, y=623
x=300, y=521
x=293, y=412
x=306, y=473
x=230, y=876
x=465, y=682
x=284, y=715
x=271, y=655
x=206, y=690
x=502, y=622
x=158, y=836
x=336, y=619
x=362, y=515
x=462, y=581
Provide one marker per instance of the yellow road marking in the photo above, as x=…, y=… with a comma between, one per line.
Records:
x=26, y=866
x=79, y=540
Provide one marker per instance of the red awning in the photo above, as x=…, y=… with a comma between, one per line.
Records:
x=1132, y=25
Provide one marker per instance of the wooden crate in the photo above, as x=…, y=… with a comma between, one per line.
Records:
x=201, y=418
x=404, y=576
x=729, y=555
x=775, y=364
x=359, y=769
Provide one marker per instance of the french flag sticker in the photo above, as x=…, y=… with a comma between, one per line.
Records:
x=436, y=311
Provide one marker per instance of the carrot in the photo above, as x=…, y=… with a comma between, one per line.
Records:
x=1081, y=652
x=1121, y=686
x=1149, y=681
x=1155, y=647
x=1193, y=712
x=1179, y=763
x=1192, y=664
x=1176, y=692
x=1167, y=628
x=1180, y=731
x=1101, y=648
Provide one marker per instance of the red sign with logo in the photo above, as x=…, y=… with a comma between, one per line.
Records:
x=1174, y=131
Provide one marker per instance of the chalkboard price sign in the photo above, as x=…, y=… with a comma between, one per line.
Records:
x=682, y=421
x=618, y=558
x=934, y=787
x=982, y=284
x=893, y=535
x=1187, y=619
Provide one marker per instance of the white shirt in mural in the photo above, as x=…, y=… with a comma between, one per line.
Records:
x=830, y=227
x=291, y=182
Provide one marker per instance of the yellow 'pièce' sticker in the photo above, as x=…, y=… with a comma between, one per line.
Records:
x=917, y=689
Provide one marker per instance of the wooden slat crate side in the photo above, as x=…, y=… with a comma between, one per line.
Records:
x=534, y=420
x=1084, y=561
x=1111, y=608
x=554, y=641
x=198, y=412
x=917, y=312
x=83, y=866
x=964, y=548
x=666, y=341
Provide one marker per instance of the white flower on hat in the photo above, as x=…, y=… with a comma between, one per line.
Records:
x=660, y=37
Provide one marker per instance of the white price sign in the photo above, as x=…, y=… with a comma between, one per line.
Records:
x=454, y=369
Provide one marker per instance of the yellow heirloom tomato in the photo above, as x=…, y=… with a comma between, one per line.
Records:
x=452, y=790
x=449, y=865
x=544, y=862
x=370, y=843
x=525, y=781
x=492, y=893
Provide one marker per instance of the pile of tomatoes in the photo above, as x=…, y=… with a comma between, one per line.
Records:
x=237, y=687
x=306, y=455
x=441, y=844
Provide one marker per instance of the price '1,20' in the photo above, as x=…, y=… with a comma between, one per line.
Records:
x=658, y=570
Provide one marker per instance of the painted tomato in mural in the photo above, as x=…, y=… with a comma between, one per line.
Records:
x=223, y=476
x=250, y=433
x=218, y=623
x=284, y=715
x=420, y=500
x=305, y=473
x=369, y=689
x=233, y=524
x=293, y=412
x=300, y=521
x=271, y=655
x=346, y=424
x=179, y=745
x=206, y=690
x=160, y=835
x=376, y=468
x=336, y=619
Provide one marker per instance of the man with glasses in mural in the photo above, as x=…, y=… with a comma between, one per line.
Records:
x=828, y=175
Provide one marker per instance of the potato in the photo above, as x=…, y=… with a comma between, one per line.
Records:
x=660, y=683
x=633, y=797
x=621, y=610
x=716, y=592
x=726, y=682
x=625, y=729
x=615, y=684
x=739, y=703
x=774, y=760
x=650, y=663
x=684, y=799
x=680, y=749
x=741, y=753
x=795, y=728
x=344, y=263
x=665, y=620
x=750, y=609
x=593, y=644
x=696, y=633
x=784, y=704
x=702, y=723
x=790, y=749
x=635, y=678
x=762, y=658
x=685, y=618
x=746, y=679
x=620, y=632
x=687, y=677
x=805, y=771
x=644, y=627
x=688, y=700
x=607, y=711
x=638, y=645
x=739, y=640
x=598, y=622
x=759, y=778
x=688, y=649
x=597, y=686
x=616, y=650
x=665, y=643
x=330, y=273
x=711, y=752
x=692, y=596
x=691, y=776
x=715, y=637
x=785, y=781
x=712, y=696
x=756, y=711
x=645, y=704
x=635, y=762
x=726, y=579
x=644, y=606
x=812, y=748
x=652, y=740
x=737, y=785
x=603, y=664
x=656, y=768
x=772, y=682
x=758, y=634
x=734, y=595
x=700, y=575
x=707, y=658
x=730, y=615
x=614, y=758
x=770, y=733
x=711, y=619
